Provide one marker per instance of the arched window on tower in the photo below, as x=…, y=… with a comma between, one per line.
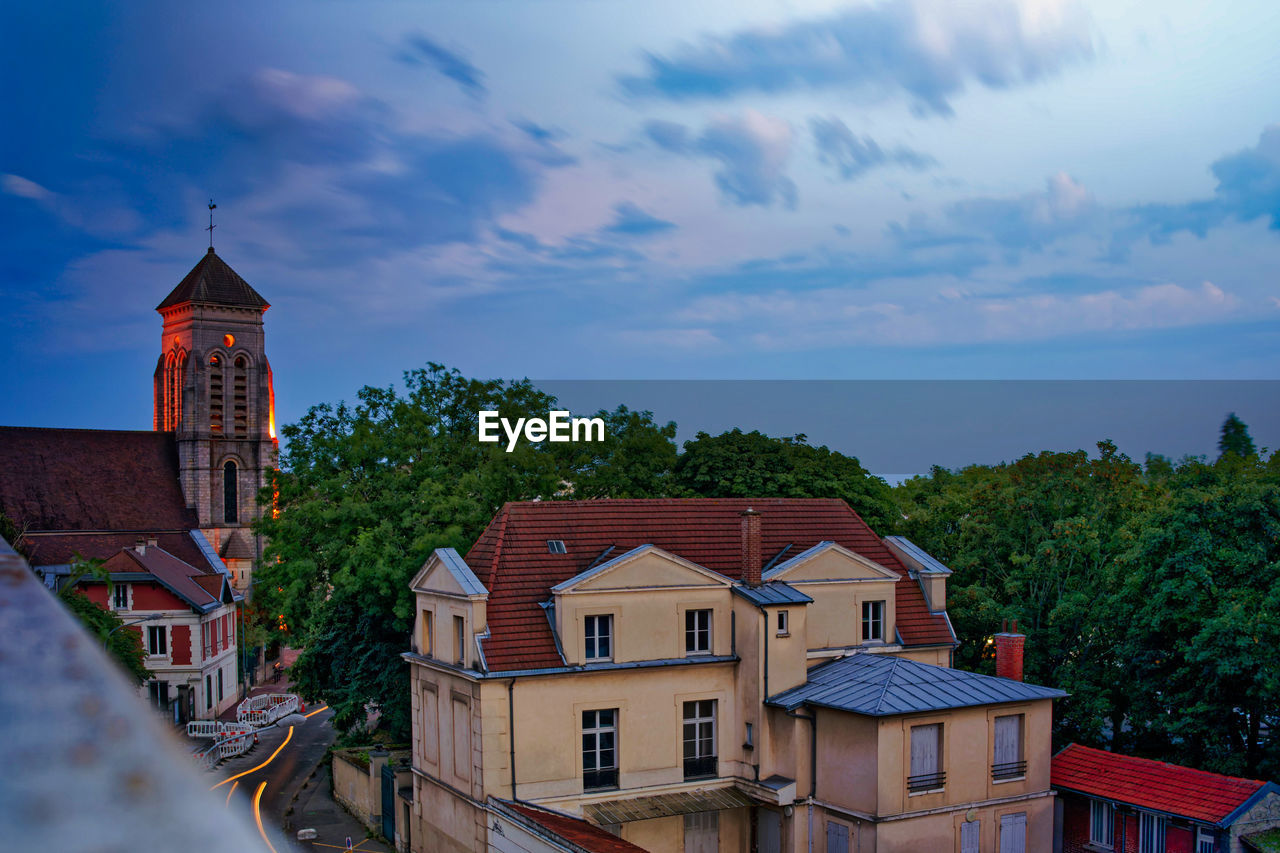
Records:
x=215, y=394
x=230, y=493
x=166, y=389
x=177, y=380
x=240, y=387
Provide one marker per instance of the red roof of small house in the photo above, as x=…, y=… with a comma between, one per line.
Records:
x=512, y=560
x=60, y=547
x=578, y=831
x=1169, y=788
x=202, y=590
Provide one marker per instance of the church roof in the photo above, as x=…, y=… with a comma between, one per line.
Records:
x=212, y=281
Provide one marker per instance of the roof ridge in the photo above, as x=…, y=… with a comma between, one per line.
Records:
x=497, y=546
x=884, y=688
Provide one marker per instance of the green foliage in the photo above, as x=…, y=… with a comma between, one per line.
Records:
x=752, y=464
x=123, y=644
x=1235, y=438
x=636, y=459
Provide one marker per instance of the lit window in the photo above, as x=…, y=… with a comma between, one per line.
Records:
x=1007, y=761
x=872, y=621
x=700, y=739
x=697, y=632
x=228, y=340
x=1151, y=830
x=599, y=637
x=600, y=749
x=782, y=623
x=157, y=642
x=926, y=759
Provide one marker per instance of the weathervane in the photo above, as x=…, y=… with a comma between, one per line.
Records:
x=211, y=225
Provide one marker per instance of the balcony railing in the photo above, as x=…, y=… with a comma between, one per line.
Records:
x=597, y=780
x=1009, y=770
x=926, y=782
x=700, y=768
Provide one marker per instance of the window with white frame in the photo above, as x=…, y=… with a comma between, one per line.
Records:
x=1151, y=828
x=697, y=632
x=459, y=641
x=1102, y=821
x=971, y=836
x=1007, y=761
x=783, y=621
x=599, y=637
x=872, y=621
x=1013, y=833
x=157, y=641
x=700, y=739
x=1204, y=841
x=926, y=759
x=599, y=749
x=120, y=597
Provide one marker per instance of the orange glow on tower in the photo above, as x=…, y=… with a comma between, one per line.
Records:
x=271, y=406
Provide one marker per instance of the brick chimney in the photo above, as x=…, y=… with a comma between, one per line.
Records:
x=1009, y=652
x=751, y=560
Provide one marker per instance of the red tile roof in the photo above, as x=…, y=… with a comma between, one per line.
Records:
x=579, y=832
x=1155, y=785
x=510, y=558
x=201, y=590
x=51, y=549
x=213, y=281
x=87, y=479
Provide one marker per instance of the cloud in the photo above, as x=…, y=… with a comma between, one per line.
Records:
x=22, y=188
x=752, y=150
x=927, y=50
x=420, y=50
x=631, y=221
x=853, y=156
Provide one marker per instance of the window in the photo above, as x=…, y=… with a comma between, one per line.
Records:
x=697, y=632
x=926, y=759
x=1102, y=817
x=240, y=385
x=156, y=640
x=1007, y=761
x=208, y=692
x=215, y=394
x=1013, y=833
x=599, y=636
x=782, y=623
x=556, y=546
x=158, y=693
x=970, y=836
x=459, y=640
x=219, y=685
x=837, y=837
x=427, y=633
x=121, y=596
x=599, y=749
x=1204, y=840
x=700, y=739
x=1150, y=833
x=702, y=832
x=230, y=494
x=872, y=621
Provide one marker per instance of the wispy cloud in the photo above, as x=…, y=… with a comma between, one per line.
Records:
x=927, y=50
x=420, y=50
x=630, y=221
x=752, y=149
x=854, y=156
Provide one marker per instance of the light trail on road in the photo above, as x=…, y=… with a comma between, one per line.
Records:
x=316, y=711
x=287, y=738
x=229, y=793
x=257, y=812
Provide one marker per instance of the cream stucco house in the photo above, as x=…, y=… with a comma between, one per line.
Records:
x=713, y=675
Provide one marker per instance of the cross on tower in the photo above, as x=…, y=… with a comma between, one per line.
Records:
x=211, y=225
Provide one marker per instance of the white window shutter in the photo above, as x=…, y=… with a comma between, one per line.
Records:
x=1013, y=833
x=1007, y=736
x=970, y=833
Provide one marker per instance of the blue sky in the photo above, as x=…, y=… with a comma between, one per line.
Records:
x=911, y=189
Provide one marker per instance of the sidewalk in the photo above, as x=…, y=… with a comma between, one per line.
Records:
x=315, y=809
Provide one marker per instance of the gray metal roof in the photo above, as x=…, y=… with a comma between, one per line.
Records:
x=461, y=572
x=881, y=685
x=927, y=563
x=771, y=594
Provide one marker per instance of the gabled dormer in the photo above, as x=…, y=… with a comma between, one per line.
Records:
x=854, y=598
x=451, y=612
x=644, y=605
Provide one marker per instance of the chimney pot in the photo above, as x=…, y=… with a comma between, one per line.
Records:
x=751, y=560
x=1009, y=647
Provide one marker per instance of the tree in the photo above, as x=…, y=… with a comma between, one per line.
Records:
x=1235, y=438
x=122, y=643
x=752, y=464
x=636, y=459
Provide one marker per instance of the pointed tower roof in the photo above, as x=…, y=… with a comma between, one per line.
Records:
x=212, y=281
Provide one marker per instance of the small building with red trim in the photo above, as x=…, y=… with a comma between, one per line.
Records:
x=1112, y=802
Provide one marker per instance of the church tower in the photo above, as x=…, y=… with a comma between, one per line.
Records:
x=213, y=392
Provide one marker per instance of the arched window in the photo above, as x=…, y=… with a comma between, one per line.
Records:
x=240, y=387
x=166, y=388
x=177, y=379
x=215, y=394
x=230, y=493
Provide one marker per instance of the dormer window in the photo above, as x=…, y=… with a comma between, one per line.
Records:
x=599, y=637
x=697, y=632
x=556, y=546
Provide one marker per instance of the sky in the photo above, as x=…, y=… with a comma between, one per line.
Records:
x=728, y=189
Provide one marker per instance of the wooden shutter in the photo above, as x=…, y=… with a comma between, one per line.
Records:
x=969, y=834
x=924, y=749
x=1013, y=833
x=1008, y=739
x=837, y=838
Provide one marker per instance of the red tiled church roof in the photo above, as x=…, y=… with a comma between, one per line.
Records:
x=1170, y=788
x=51, y=549
x=579, y=832
x=91, y=480
x=511, y=559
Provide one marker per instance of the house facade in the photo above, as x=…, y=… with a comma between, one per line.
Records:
x=713, y=675
x=1121, y=803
